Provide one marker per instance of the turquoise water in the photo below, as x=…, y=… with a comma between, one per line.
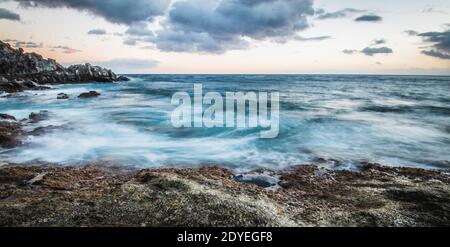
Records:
x=394, y=120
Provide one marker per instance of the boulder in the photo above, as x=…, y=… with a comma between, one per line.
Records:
x=37, y=117
x=7, y=117
x=90, y=94
x=62, y=96
x=123, y=78
x=10, y=132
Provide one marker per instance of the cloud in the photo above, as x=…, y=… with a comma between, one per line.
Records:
x=215, y=26
x=349, y=52
x=130, y=42
x=23, y=44
x=139, y=29
x=97, y=32
x=379, y=41
x=8, y=15
x=430, y=10
x=322, y=15
x=438, y=54
x=115, y=11
x=29, y=44
x=64, y=49
x=318, y=38
x=370, y=51
x=129, y=65
x=440, y=44
x=369, y=18
x=180, y=41
x=411, y=32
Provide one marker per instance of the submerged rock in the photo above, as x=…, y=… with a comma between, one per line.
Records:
x=62, y=96
x=39, y=116
x=44, y=130
x=90, y=94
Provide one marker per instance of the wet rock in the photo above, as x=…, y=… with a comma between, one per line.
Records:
x=16, y=86
x=123, y=78
x=10, y=134
x=39, y=116
x=7, y=117
x=90, y=94
x=37, y=180
x=62, y=96
x=258, y=179
x=44, y=130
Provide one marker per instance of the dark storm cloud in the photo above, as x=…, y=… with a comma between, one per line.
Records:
x=97, y=32
x=440, y=44
x=322, y=15
x=180, y=41
x=8, y=15
x=116, y=11
x=369, y=18
x=370, y=51
x=217, y=26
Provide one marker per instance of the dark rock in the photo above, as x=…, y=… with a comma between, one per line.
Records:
x=261, y=180
x=123, y=78
x=37, y=117
x=87, y=72
x=7, y=117
x=44, y=130
x=10, y=133
x=90, y=94
x=31, y=70
x=62, y=96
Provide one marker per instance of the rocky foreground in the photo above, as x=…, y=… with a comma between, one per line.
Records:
x=103, y=195
x=21, y=71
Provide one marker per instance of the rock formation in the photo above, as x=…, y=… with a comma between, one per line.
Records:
x=24, y=71
x=90, y=94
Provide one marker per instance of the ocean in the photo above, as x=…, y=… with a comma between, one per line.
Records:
x=336, y=120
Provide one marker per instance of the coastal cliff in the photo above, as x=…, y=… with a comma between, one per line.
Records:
x=30, y=71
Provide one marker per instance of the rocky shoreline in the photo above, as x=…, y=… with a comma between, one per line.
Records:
x=100, y=194
x=21, y=71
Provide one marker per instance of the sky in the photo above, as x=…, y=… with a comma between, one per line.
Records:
x=236, y=36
